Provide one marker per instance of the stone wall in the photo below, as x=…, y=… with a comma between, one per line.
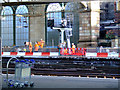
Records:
x=84, y=29
x=89, y=25
x=37, y=22
x=0, y=19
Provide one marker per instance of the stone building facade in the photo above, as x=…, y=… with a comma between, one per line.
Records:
x=86, y=22
x=89, y=25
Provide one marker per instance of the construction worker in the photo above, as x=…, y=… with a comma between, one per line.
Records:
x=26, y=46
x=30, y=46
x=36, y=46
x=39, y=44
x=73, y=48
x=24, y=49
x=65, y=51
x=42, y=43
x=26, y=43
x=101, y=49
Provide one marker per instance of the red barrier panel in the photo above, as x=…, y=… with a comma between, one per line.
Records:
x=102, y=54
x=45, y=54
x=13, y=53
x=61, y=51
x=119, y=55
x=79, y=54
x=28, y=53
x=84, y=51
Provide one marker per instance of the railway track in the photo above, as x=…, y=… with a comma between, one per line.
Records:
x=68, y=72
x=73, y=67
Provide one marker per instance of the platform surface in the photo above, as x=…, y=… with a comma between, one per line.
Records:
x=70, y=82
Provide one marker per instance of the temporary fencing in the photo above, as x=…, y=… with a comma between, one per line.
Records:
x=73, y=51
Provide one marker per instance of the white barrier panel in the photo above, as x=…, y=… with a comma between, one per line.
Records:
x=21, y=53
x=54, y=54
x=113, y=54
x=91, y=54
x=36, y=53
x=6, y=53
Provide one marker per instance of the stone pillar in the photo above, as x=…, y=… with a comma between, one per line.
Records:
x=95, y=22
x=0, y=64
x=85, y=28
x=89, y=25
x=75, y=28
x=37, y=22
x=117, y=15
x=0, y=19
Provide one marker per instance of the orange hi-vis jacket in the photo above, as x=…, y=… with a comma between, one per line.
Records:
x=73, y=48
x=30, y=47
x=36, y=47
x=42, y=43
x=38, y=43
x=65, y=51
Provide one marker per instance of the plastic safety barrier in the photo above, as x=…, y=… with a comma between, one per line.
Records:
x=30, y=53
x=73, y=51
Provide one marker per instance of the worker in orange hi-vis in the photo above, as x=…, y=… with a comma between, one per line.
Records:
x=36, y=46
x=42, y=43
x=65, y=51
x=30, y=46
x=73, y=48
x=39, y=44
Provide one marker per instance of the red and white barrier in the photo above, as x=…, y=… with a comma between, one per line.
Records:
x=35, y=54
x=111, y=55
x=91, y=54
x=73, y=51
x=30, y=53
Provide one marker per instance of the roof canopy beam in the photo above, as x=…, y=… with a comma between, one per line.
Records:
x=26, y=3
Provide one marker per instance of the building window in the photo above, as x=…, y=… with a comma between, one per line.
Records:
x=54, y=13
x=7, y=26
x=54, y=17
x=22, y=25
